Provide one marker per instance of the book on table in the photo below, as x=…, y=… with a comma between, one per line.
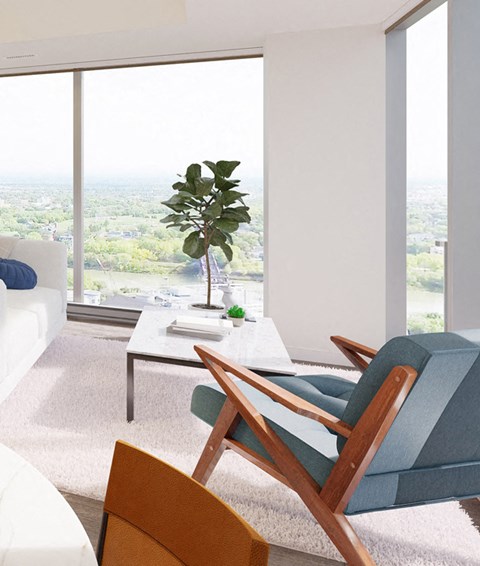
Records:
x=209, y=328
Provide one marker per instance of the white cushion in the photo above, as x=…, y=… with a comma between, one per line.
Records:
x=22, y=335
x=44, y=302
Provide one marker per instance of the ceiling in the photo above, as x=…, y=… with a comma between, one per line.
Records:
x=50, y=33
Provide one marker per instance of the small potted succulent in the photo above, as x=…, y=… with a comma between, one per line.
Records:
x=236, y=314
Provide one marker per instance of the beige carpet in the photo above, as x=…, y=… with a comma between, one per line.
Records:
x=66, y=414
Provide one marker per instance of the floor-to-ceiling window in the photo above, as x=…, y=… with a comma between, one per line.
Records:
x=36, y=195
x=141, y=127
x=426, y=170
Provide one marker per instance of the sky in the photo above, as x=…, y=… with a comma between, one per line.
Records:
x=151, y=122
x=146, y=122
x=427, y=112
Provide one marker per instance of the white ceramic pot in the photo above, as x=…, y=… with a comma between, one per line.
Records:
x=236, y=321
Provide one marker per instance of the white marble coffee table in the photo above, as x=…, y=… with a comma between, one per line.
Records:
x=255, y=345
x=37, y=526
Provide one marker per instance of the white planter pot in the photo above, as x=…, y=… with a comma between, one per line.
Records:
x=236, y=321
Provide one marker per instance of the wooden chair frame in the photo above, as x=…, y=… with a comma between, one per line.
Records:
x=327, y=503
x=354, y=351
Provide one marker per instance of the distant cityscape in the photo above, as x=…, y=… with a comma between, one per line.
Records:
x=426, y=228
x=130, y=257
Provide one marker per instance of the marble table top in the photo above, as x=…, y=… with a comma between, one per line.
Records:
x=37, y=526
x=256, y=345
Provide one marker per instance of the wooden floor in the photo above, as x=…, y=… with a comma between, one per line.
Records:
x=89, y=511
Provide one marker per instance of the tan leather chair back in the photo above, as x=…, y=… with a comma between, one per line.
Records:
x=156, y=515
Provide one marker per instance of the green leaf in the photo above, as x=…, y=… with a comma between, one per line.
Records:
x=218, y=238
x=228, y=197
x=185, y=195
x=200, y=251
x=185, y=227
x=226, y=224
x=179, y=207
x=191, y=242
x=171, y=218
x=236, y=312
x=226, y=168
x=213, y=211
x=224, y=184
x=194, y=171
x=175, y=199
x=203, y=186
x=178, y=186
x=189, y=188
x=211, y=166
x=227, y=236
x=193, y=245
x=237, y=214
x=227, y=250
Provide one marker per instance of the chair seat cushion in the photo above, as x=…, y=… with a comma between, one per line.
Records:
x=312, y=443
x=415, y=487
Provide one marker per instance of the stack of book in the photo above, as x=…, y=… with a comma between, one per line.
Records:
x=206, y=328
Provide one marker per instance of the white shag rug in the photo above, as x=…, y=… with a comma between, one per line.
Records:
x=67, y=412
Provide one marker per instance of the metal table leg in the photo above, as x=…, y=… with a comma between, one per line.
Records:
x=130, y=388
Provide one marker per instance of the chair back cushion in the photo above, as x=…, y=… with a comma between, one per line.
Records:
x=439, y=423
x=159, y=515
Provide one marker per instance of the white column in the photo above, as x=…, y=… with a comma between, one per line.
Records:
x=396, y=172
x=464, y=165
x=78, y=207
x=325, y=160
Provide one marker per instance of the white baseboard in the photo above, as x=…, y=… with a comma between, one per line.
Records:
x=326, y=357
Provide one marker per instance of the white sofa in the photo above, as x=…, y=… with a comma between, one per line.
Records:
x=30, y=319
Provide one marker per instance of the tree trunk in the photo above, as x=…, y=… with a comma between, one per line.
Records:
x=209, y=273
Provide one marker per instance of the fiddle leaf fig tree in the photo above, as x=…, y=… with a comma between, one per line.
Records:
x=210, y=209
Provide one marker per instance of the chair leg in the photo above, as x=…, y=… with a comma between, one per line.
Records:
x=343, y=536
x=335, y=524
x=225, y=425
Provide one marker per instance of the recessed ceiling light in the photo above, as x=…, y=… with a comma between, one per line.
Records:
x=27, y=56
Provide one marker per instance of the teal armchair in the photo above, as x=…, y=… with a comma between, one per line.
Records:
x=407, y=434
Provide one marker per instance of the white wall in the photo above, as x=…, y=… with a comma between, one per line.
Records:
x=464, y=165
x=325, y=175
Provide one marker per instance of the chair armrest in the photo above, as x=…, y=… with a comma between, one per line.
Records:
x=354, y=351
x=275, y=392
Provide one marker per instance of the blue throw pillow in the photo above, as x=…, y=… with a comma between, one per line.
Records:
x=17, y=275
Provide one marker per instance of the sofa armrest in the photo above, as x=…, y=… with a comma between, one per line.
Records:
x=48, y=259
x=3, y=302
x=3, y=314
